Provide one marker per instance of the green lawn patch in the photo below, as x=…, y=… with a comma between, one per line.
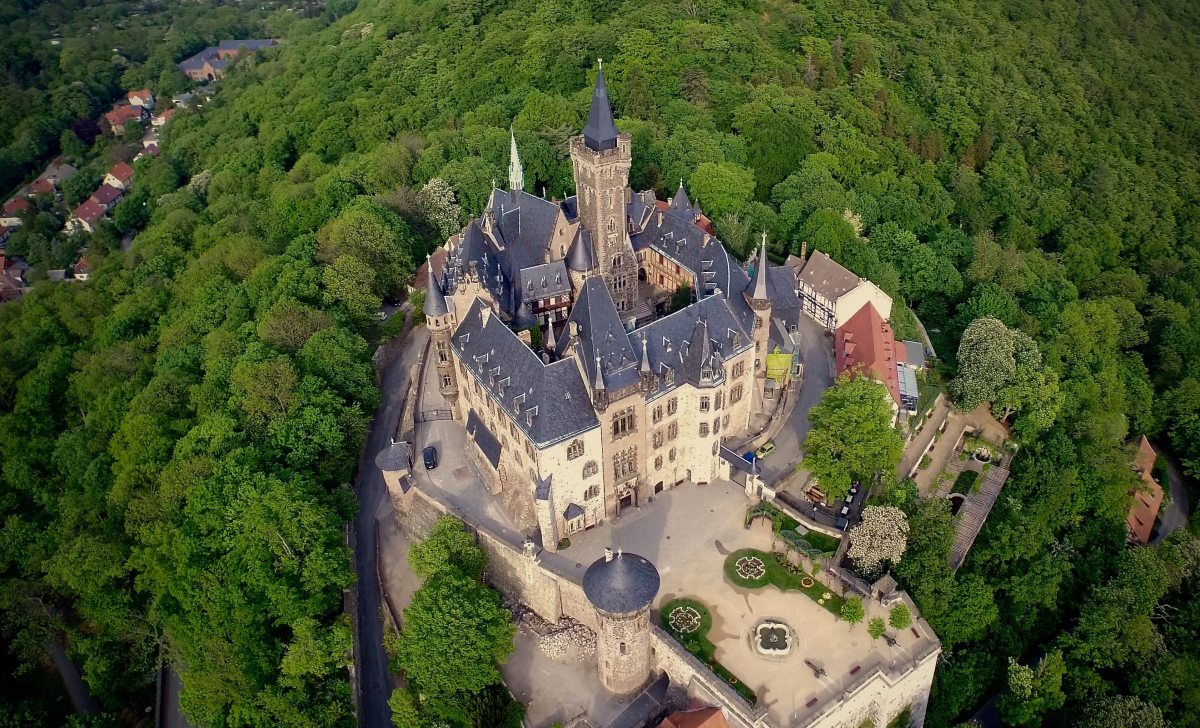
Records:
x=965, y=482
x=688, y=621
x=754, y=569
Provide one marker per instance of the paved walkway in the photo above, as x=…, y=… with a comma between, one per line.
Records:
x=980, y=419
x=374, y=679
x=1175, y=515
x=915, y=448
x=816, y=351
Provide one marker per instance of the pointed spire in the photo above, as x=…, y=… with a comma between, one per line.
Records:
x=598, y=385
x=550, y=345
x=680, y=201
x=435, y=300
x=600, y=133
x=516, y=175
x=759, y=291
x=645, y=368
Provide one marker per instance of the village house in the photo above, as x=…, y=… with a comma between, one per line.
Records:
x=85, y=216
x=10, y=282
x=51, y=178
x=120, y=176
x=142, y=97
x=162, y=118
x=122, y=114
x=865, y=346
x=10, y=215
x=1147, y=498
x=106, y=196
x=80, y=269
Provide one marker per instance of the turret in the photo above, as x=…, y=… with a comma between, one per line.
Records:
x=440, y=318
x=759, y=299
x=621, y=588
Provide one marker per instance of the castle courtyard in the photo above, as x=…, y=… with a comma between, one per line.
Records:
x=687, y=533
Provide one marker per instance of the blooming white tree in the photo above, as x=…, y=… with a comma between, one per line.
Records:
x=440, y=207
x=881, y=536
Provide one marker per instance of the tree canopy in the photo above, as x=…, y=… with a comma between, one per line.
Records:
x=851, y=436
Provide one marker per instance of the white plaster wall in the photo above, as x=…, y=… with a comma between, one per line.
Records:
x=865, y=292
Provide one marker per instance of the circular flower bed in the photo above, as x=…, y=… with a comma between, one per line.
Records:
x=684, y=619
x=751, y=568
x=807, y=582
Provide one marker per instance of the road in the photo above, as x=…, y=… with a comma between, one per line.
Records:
x=1175, y=515
x=816, y=352
x=76, y=688
x=373, y=677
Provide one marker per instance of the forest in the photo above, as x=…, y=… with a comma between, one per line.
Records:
x=177, y=434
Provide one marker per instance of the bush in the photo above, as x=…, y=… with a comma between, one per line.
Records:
x=925, y=462
x=564, y=543
x=900, y=617
x=852, y=610
x=876, y=627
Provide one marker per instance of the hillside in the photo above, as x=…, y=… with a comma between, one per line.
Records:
x=176, y=433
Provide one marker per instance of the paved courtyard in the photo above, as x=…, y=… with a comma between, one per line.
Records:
x=687, y=533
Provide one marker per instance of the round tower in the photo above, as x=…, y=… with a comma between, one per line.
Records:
x=621, y=587
x=759, y=301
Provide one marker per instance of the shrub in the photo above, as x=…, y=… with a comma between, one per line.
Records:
x=900, y=617
x=852, y=610
x=876, y=628
x=925, y=462
x=564, y=543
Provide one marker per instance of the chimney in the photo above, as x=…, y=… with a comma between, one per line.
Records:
x=608, y=554
x=525, y=337
x=573, y=329
x=803, y=250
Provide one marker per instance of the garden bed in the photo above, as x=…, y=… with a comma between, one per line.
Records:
x=754, y=569
x=966, y=482
x=688, y=622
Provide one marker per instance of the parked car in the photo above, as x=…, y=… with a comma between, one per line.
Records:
x=845, y=510
x=842, y=523
x=765, y=450
x=430, y=454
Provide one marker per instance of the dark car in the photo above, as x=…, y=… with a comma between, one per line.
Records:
x=430, y=454
x=842, y=523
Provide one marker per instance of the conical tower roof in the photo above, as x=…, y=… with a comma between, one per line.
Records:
x=516, y=174
x=580, y=256
x=680, y=201
x=600, y=132
x=758, y=287
x=435, y=300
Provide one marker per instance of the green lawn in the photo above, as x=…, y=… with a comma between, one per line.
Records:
x=782, y=578
x=698, y=644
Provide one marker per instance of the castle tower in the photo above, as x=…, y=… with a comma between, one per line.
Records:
x=760, y=302
x=621, y=587
x=439, y=317
x=600, y=160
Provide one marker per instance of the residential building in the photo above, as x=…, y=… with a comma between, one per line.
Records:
x=627, y=398
x=106, y=196
x=210, y=63
x=865, y=346
x=120, y=176
x=11, y=285
x=10, y=214
x=85, y=216
x=81, y=270
x=150, y=150
x=1147, y=498
x=162, y=118
x=122, y=114
x=51, y=178
x=830, y=294
x=141, y=97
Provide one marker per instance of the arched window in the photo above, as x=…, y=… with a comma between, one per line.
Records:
x=590, y=469
x=575, y=449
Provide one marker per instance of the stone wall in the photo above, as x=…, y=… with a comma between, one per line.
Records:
x=687, y=671
x=882, y=694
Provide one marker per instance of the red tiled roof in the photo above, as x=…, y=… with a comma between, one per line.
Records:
x=699, y=718
x=1148, y=498
x=90, y=211
x=866, y=343
x=41, y=186
x=106, y=194
x=140, y=93
x=81, y=265
x=123, y=113
x=15, y=205
x=122, y=171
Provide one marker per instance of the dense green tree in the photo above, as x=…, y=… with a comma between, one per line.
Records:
x=851, y=436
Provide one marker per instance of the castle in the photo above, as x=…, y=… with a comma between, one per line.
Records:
x=654, y=339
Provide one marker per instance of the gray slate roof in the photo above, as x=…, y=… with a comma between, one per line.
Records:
x=581, y=256
x=626, y=584
x=547, y=279
x=573, y=511
x=483, y=437
x=600, y=132
x=671, y=341
x=394, y=457
x=435, y=300
x=601, y=334
x=547, y=401
x=827, y=277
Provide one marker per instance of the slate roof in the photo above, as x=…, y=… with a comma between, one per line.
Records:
x=252, y=44
x=435, y=300
x=196, y=62
x=762, y=266
x=581, y=256
x=625, y=584
x=524, y=226
x=781, y=289
x=914, y=354
x=737, y=462
x=547, y=279
x=601, y=335
x=483, y=438
x=397, y=456
x=547, y=401
x=680, y=201
x=674, y=234
x=106, y=194
x=600, y=133
x=573, y=511
x=671, y=340
x=827, y=277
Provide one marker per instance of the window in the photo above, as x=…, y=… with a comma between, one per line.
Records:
x=623, y=650
x=703, y=429
x=512, y=429
x=705, y=404
x=716, y=447
x=625, y=463
x=658, y=463
x=716, y=425
x=445, y=381
x=575, y=449
x=443, y=352
x=739, y=369
x=672, y=405
x=672, y=430
x=590, y=469
x=623, y=423
x=658, y=414
x=725, y=421
x=658, y=439
x=720, y=399
x=528, y=448
x=671, y=455
x=735, y=394
x=592, y=492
